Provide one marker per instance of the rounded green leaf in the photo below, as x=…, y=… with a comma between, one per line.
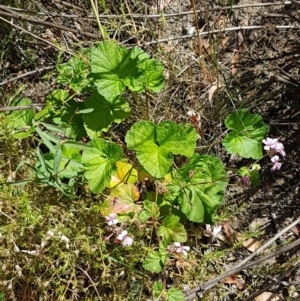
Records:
x=199, y=187
x=172, y=230
x=100, y=163
x=175, y=294
x=154, y=145
x=248, y=130
x=153, y=262
x=105, y=111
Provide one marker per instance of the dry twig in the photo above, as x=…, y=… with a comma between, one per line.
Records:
x=276, y=281
x=155, y=16
x=29, y=19
x=38, y=70
x=191, y=294
x=24, y=107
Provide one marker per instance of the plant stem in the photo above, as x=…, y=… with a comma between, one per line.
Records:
x=96, y=13
x=201, y=58
x=145, y=116
x=147, y=104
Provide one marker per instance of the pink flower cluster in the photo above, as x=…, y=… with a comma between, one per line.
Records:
x=125, y=239
x=178, y=248
x=274, y=147
x=122, y=237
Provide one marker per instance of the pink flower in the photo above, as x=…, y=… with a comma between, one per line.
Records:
x=181, y=249
x=269, y=143
x=274, y=144
x=279, y=148
x=126, y=240
x=245, y=181
x=213, y=231
x=276, y=163
x=111, y=219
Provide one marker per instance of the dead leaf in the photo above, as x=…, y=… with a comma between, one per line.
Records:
x=228, y=230
x=224, y=42
x=296, y=230
x=251, y=244
x=234, y=60
x=205, y=44
x=222, y=22
x=267, y=296
x=211, y=92
x=205, y=47
x=234, y=280
x=163, y=4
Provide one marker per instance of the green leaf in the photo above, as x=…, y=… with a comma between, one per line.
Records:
x=114, y=67
x=152, y=208
x=20, y=121
x=248, y=130
x=77, y=145
x=70, y=164
x=48, y=139
x=58, y=96
x=180, y=139
x=45, y=169
x=157, y=289
x=72, y=118
x=52, y=127
x=191, y=205
x=154, y=145
x=107, y=57
x=56, y=101
x=172, y=230
x=92, y=134
x=144, y=215
x=108, y=61
x=153, y=262
x=109, y=87
x=254, y=178
x=175, y=294
x=100, y=163
x=67, y=164
x=57, y=158
x=154, y=78
x=75, y=72
x=199, y=187
x=105, y=111
x=163, y=251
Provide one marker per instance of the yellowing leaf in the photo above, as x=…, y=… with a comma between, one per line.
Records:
x=125, y=174
x=122, y=199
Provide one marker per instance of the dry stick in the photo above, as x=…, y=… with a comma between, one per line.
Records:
x=24, y=107
x=204, y=33
x=269, y=242
x=64, y=3
x=276, y=281
x=192, y=293
x=38, y=70
x=166, y=15
x=34, y=36
x=45, y=23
